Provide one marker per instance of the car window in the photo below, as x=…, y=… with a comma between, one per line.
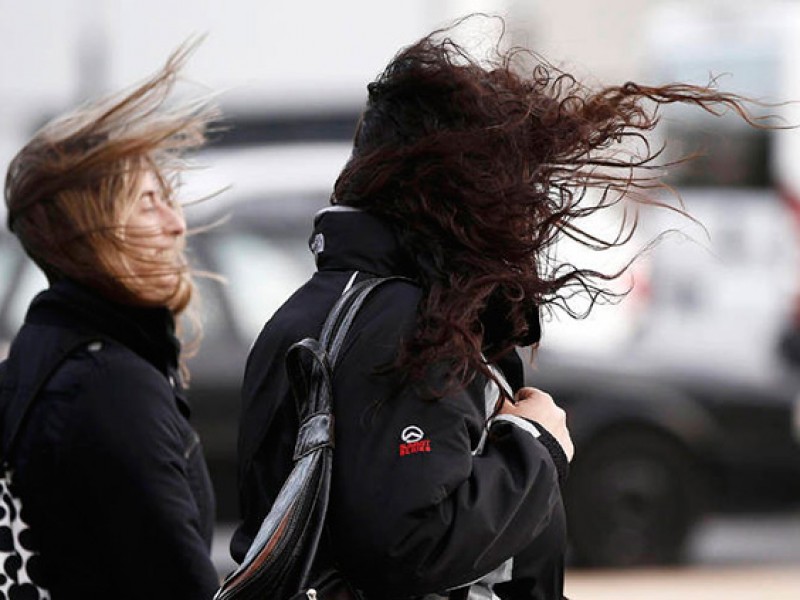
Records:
x=8, y=257
x=209, y=308
x=31, y=281
x=261, y=274
x=733, y=157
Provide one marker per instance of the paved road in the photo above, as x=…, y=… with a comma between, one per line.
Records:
x=756, y=539
x=743, y=558
x=695, y=583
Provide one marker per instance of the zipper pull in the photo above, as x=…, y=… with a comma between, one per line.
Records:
x=312, y=594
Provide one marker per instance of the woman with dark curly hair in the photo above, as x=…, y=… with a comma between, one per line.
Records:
x=110, y=472
x=447, y=470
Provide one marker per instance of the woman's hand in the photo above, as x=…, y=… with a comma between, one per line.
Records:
x=536, y=405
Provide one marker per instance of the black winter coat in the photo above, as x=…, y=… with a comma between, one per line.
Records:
x=111, y=474
x=422, y=501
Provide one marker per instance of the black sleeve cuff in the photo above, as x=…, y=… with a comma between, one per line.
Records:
x=556, y=452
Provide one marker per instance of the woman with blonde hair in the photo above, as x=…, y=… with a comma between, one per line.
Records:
x=111, y=474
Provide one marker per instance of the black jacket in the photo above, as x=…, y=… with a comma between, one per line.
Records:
x=111, y=475
x=417, y=506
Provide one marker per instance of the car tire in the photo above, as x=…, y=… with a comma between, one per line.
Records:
x=632, y=498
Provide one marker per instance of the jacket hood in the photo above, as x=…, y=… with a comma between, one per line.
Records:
x=350, y=239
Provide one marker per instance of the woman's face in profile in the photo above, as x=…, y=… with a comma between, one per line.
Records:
x=154, y=231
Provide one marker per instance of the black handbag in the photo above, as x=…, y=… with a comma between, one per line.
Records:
x=278, y=564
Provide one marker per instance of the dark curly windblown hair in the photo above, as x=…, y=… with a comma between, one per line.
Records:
x=482, y=165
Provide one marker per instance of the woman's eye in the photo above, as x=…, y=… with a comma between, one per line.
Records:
x=148, y=201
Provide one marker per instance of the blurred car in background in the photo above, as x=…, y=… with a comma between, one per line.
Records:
x=659, y=442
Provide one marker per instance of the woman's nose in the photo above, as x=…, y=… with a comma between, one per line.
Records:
x=173, y=221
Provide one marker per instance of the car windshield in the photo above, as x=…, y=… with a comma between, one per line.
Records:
x=261, y=273
x=31, y=281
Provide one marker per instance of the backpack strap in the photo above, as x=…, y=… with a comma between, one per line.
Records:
x=18, y=407
x=281, y=556
x=313, y=391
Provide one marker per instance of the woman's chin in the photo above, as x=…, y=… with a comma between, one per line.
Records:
x=159, y=290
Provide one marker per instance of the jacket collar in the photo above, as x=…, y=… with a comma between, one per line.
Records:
x=350, y=239
x=149, y=332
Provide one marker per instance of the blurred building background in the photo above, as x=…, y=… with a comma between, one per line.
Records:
x=712, y=324
x=272, y=60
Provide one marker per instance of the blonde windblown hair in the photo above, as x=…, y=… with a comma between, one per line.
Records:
x=69, y=188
